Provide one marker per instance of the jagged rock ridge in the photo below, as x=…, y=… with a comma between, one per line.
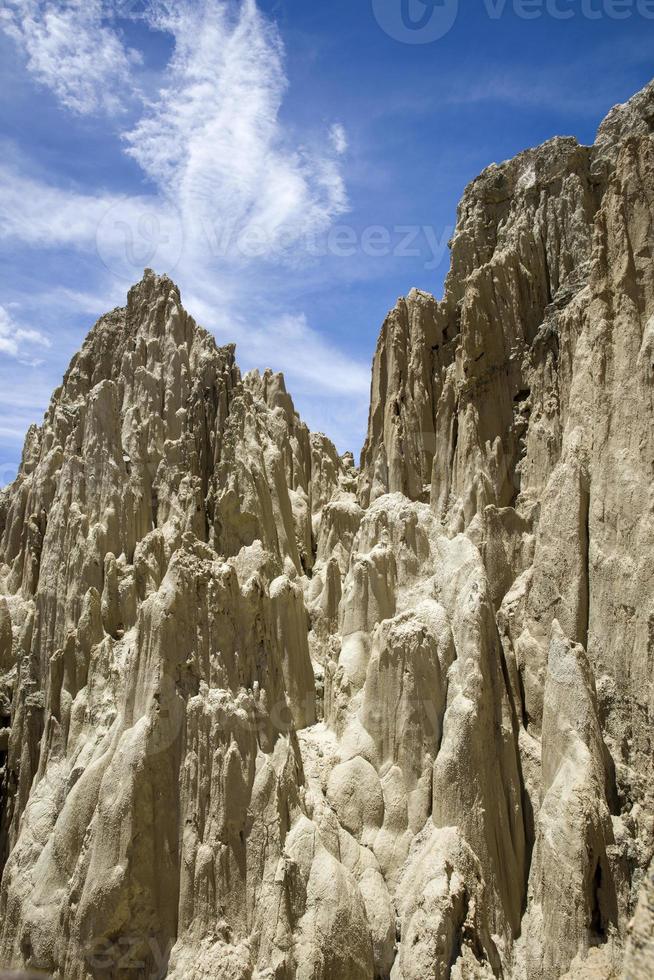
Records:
x=270, y=717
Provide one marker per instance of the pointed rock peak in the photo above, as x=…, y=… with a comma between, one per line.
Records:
x=270, y=387
x=152, y=286
x=227, y=687
x=632, y=118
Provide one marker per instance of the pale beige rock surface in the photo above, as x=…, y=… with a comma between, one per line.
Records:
x=265, y=717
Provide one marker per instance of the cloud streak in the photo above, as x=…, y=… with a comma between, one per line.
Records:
x=338, y=138
x=19, y=342
x=44, y=216
x=235, y=193
x=213, y=143
x=286, y=343
x=70, y=49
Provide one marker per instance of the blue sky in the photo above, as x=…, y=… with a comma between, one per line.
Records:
x=295, y=166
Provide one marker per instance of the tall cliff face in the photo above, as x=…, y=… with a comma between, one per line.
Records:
x=520, y=407
x=268, y=717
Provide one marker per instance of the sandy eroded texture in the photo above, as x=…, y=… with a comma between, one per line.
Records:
x=265, y=716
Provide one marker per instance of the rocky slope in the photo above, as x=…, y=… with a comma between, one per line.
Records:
x=266, y=716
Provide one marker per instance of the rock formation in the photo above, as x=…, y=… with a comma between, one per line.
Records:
x=265, y=716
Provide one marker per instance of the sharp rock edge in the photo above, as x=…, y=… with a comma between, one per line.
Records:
x=267, y=716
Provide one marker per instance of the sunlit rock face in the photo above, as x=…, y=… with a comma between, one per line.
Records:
x=264, y=716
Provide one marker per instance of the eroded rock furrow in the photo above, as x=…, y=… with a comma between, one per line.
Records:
x=264, y=716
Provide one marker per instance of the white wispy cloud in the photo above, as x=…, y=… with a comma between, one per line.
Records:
x=305, y=354
x=330, y=389
x=41, y=215
x=338, y=138
x=124, y=233
x=17, y=341
x=213, y=142
x=71, y=49
x=235, y=191
x=287, y=343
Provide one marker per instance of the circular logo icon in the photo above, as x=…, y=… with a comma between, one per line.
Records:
x=133, y=236
x=416, y=21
